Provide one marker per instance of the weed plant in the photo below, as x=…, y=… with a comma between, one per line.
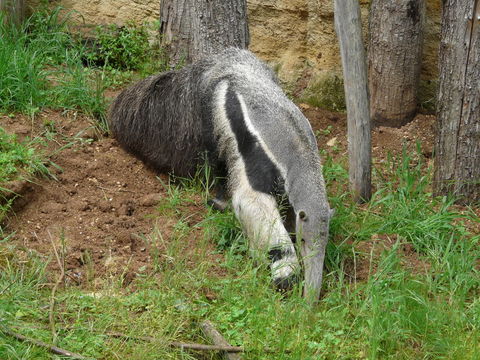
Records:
x=42, y=65
x=18, y=160
x=121, y=48
x=17, y=157
x=428, y=309
x=326, y=93
x=124, y=53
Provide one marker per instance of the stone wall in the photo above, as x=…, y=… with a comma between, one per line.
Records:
x=99, y=12
x=297, y=36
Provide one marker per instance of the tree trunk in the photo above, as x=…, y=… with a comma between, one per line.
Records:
x=13, y=11
x=191, y=29
x=349, y=32
x=457, y=148
x=394, y=60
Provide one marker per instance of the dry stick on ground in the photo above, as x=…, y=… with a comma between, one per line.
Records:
x=52, y=348
x=8, y=287
x=217, y=339
x=191, y=346
x=51, y=311
x=114, y=190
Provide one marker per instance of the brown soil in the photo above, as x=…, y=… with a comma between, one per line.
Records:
x=103, y=201
x=331, y=130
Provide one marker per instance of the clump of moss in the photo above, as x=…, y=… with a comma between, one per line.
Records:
x=327, y=93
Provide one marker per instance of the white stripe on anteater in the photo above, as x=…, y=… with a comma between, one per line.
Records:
x=256, y=211
x=262, y=143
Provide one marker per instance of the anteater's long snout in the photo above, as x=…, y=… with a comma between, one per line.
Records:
x=313, y=253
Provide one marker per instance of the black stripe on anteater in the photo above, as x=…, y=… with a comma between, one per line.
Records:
x=276, y=254
x=262, y=173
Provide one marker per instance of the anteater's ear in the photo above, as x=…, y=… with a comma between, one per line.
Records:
x=331, y=212
x=302, y=215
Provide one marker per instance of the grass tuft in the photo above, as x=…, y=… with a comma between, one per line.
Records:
x=19, y=161
x=326, y=93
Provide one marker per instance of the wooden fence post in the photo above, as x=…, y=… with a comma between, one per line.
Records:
x=349, y=32
x=457, y=148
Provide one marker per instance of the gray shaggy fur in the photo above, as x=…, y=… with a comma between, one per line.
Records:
x=230, y=106
x=145, y=119
x=165, y=118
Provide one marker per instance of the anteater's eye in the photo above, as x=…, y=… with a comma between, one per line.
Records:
x=302, y=215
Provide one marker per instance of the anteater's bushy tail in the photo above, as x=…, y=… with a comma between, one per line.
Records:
x=159, y=120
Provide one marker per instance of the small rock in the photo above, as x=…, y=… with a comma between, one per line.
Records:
x=332, y=141
x=90, y=133
x=150, y=199
x=127, y=208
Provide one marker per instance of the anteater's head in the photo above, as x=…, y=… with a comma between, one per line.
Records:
x=312, y=227
x=312, y=212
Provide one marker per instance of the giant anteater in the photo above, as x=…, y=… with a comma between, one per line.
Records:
x=230, y=106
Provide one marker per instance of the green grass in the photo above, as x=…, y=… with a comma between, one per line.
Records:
x=18, y=161
x=42, y=65
x=326, y=92
x=397, y=312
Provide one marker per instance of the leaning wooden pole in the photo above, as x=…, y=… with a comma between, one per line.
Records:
x=349, y=32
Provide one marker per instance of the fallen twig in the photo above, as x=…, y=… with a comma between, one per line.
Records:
x=51, y=318
x=114, y=190
x=52, y=348
x=182, y=345
x=8, y=287
x=218, y=339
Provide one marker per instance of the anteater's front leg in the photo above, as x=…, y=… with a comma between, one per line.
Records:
x=259, y=216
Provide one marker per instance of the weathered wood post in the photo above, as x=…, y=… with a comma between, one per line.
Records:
x=349, y=32
x=13, y=11
x=457, y=148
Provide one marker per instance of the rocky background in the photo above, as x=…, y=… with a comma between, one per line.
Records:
x=296, y=36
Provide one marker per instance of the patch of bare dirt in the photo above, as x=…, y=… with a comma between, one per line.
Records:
x=102, y=203
x=331, y=130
